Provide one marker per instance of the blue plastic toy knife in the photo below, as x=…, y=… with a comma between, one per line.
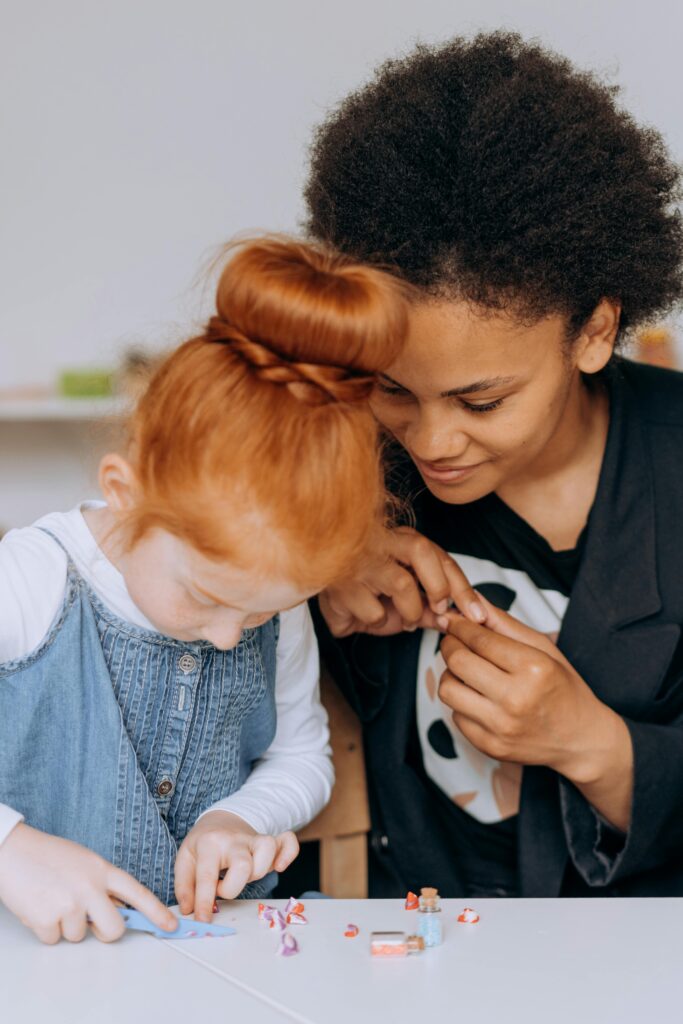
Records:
x=187, y=929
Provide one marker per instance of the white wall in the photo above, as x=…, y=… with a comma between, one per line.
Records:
x=139, y=135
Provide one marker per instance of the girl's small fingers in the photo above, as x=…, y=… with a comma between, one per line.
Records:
x=128, y=889
x=106, y=922
x=206, y=882
x=48, y=933
x=264, y=851
x=236, y=877
x=288, y=848
x=74, y=926
x=185, y=881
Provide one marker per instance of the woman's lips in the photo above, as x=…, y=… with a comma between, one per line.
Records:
x=445, y=474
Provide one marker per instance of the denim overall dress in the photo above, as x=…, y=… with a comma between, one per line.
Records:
x=118, y=737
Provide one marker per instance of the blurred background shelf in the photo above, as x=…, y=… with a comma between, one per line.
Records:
x=58, y=409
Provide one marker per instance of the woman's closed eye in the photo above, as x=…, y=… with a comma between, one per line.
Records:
x=484, y=407
x=395, y=391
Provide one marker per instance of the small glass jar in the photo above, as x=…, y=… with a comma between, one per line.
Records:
x=429, y=919
x=394, y=944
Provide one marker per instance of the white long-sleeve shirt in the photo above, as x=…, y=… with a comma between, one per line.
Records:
x=293, y=780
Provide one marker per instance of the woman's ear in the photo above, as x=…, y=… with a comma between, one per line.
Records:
x=118, y=482
x=595, y=343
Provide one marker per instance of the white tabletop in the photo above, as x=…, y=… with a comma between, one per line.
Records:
x=138, y=980
x=530, y=961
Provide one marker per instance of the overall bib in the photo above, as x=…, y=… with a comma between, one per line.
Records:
x=118, y=738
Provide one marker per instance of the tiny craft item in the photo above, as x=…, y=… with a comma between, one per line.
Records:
x=275, y=919
x=135, y=921
x=390, y=945
x=288, y=946
x=412, y=902
x=294, y=906
x=469, y=916
x=296, y=918
x=86, y=383
x=429, y=917
x=351, y=931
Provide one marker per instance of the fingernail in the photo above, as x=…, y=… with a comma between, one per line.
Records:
x=477, y=611
x=441, y=607
x=409, y=627
x=442, y=623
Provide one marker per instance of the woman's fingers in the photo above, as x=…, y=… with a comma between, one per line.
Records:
x=402, y=587
x=507, y=654
x=506, y=625
x=347, y=605
x=463, y=700
x=473, y=670
x=439, y=575
x=465, y=598
x=136, y=895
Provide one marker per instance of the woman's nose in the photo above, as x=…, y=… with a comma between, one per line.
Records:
x=433, y=436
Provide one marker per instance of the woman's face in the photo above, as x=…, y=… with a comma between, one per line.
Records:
x=478, y=400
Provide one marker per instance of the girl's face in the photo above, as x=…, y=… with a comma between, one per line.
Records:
x=190, y=597
x=479, y=401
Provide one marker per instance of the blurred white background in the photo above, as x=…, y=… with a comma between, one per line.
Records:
x=137, y=136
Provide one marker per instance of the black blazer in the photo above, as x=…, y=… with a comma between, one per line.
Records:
x=621, y=631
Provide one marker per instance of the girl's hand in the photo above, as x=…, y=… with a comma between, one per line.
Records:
x=407, y=583
x=516, y=698
x=57, y=888
x=224, y=842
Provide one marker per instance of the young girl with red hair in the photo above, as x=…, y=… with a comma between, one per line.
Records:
x=160, y=724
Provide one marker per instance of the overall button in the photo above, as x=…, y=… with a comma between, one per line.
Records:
x=165, y=787
x=187, y=663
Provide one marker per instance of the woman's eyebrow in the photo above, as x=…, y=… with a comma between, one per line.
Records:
x=485, y=384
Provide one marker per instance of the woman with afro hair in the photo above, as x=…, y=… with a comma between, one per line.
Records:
x=529, y=740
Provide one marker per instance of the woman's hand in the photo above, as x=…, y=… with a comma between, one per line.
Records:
x=224, y=842
x=57, y=888
x=516, y=698
x=408, y=581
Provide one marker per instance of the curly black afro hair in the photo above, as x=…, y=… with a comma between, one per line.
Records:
x=492, y=170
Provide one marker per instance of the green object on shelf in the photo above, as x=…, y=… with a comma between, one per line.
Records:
x=86, y=383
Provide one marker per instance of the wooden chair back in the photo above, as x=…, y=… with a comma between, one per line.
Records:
x=342, y=827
